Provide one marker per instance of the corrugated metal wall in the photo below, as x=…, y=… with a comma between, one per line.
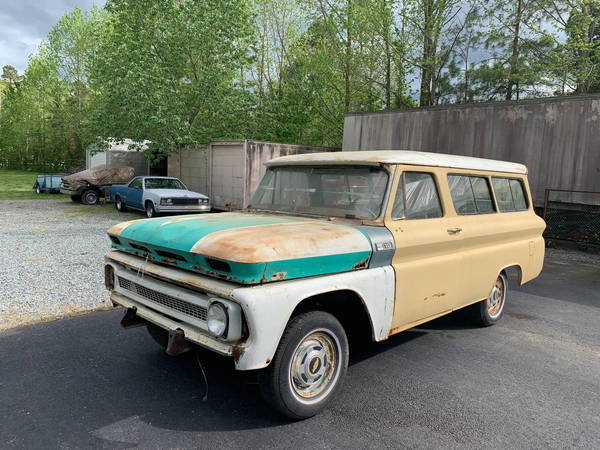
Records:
x=558, y=139
x=192, y=169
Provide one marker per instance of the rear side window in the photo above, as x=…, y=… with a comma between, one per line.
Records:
x=510, y=194
x=417, y=197
x=471, y=195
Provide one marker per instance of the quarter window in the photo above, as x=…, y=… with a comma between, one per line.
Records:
x=471, y=195
x=417, y=197
x=510, y=194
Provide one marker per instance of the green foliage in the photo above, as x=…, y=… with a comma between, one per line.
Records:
x=168, y=71
x=184, y=72
x=45, y=113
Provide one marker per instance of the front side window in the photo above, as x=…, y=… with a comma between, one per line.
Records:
x=353, y=192
x=417, y=197
x=470, y=195
x=510, y=194
x=136, y=183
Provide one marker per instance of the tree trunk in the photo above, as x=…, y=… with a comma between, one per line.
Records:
x=427, y=95
x=515, y=54
x=348, y=65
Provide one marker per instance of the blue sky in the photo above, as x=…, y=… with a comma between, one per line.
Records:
x=25, y=23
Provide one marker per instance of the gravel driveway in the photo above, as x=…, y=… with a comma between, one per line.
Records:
x=52, y=261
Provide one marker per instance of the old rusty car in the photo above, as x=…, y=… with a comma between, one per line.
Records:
x=334, y=247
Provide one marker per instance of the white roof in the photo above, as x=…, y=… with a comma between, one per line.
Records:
x=400, y=157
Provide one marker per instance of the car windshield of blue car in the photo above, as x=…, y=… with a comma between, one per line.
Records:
x=352, y=192
x=163, y=183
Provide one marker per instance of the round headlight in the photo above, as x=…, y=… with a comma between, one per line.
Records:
x=217, y=319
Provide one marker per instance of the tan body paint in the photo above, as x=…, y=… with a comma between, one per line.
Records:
x=438, y=272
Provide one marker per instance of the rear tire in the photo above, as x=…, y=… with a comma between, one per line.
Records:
x=119, y=204
x=489, y=311
x=309, y=366
x=90, y=197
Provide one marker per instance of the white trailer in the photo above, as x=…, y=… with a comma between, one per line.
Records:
x=229, y=171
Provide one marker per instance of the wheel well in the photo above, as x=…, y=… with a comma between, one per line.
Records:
x=148, y=201
x=346, y=306
x=514, y=272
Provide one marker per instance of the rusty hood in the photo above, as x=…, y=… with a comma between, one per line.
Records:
x=244, y=247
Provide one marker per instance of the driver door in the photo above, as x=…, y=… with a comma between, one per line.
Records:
x=428, y=248
x=135, y=193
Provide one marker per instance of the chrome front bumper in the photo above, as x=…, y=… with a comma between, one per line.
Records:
x=183, y=208
x=174, y=307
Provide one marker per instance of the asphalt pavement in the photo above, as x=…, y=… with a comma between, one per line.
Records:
x=532, y=381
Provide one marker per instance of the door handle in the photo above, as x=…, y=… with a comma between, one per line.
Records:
x=454, y=230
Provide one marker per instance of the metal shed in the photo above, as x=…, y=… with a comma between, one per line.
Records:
x=558, y=139
x=229, y=171
x=119, y=154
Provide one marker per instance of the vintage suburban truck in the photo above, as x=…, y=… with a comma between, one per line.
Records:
x=334, y=247
x=156, y=195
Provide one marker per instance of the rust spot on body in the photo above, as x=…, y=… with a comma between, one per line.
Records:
x=237, y=352
x=278, y=276
x=361, y=265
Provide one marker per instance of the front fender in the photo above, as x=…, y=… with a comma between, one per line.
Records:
x=154, y=198
x=268, y=308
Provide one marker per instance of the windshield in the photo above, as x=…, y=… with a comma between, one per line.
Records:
x=163, y=183
x=352, y=192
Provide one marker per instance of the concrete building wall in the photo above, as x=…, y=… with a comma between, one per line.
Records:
x=558, y=139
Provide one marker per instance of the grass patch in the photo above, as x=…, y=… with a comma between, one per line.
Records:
x=18, y=185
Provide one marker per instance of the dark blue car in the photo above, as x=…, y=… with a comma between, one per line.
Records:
x=48, y=183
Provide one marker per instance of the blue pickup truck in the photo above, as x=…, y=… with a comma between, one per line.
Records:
x=156, y=195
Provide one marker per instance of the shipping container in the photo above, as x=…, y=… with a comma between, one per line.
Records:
x=229, y=171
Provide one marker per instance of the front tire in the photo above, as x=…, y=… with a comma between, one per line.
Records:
x=490, y=311
x=309, y=366
x=38, y=190
x=150, y=211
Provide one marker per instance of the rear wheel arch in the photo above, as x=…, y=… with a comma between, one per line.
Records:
x=513, y=270
x=345, y=305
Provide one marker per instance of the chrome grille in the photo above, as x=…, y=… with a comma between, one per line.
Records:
x=184, y=201
x=163, y=299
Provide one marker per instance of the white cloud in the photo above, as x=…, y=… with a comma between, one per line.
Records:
x=25, y=23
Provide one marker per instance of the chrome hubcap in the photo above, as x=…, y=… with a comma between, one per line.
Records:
x=496, y=298
x=314, y=365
